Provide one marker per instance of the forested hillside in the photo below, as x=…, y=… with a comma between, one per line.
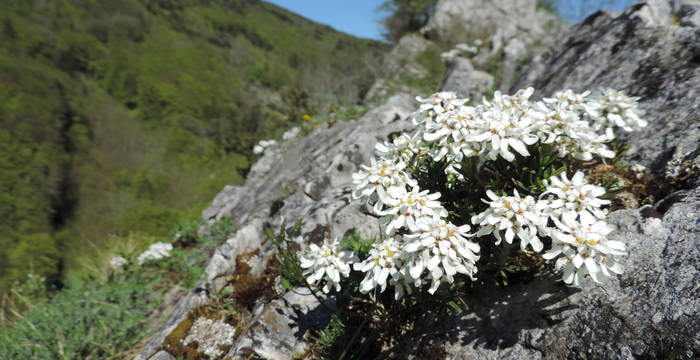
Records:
x=121, y=117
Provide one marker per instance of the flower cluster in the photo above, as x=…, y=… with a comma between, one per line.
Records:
x=460, y=49
x=508, y=124
x=328, y=261
x=512, y=216
x=261, y=146
x=615, y=109
x=116, y=262
x=578, y=232
x=156, y=251
x=425, y=243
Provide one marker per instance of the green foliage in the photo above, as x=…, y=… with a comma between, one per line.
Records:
x=434, y=68
x=87, y=319
x=102, y=314
x=329, y=337
x=291, y=273
x=405, y=16
x=357, y=243
x=547, y=5
x=35, y=253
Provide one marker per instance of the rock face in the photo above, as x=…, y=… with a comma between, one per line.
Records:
x=306, y=178
x=651, y=311
x=644, y=54
x=529, y=21
x=507, y=33
x=466, y=81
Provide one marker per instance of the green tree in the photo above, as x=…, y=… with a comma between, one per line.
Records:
x=405, y=16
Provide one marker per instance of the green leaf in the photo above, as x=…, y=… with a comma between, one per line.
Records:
x=286, y=283
x=455, y=307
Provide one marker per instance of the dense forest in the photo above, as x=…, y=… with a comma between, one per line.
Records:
x=122, y=117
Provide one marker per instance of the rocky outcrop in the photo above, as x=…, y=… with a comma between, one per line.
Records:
x=307, y=178
x=466, y=81
x=511, y=30
x=651, y=311
x=508, y=33
x=521, y=19
x=643, y=53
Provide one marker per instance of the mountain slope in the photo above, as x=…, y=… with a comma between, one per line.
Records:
x=128, y=116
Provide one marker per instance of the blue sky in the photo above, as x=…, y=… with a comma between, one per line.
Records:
x=356, y=17
x=360, y=18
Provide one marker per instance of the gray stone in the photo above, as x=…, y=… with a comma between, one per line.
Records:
x=280, y=328
x=482, y=18
x=199, y=296
x=689, y=15
x=642, y=57
x=656, y=13
x=465, y=81
x=162, y=355
x=223, y=262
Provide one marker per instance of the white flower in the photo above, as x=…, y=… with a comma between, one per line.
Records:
x=563, y=124
x=117, y=262
x=577, y=196
x=262, y=146
x=569, y=100
x=505, y=131
x=618, y=110
x=156, y=251
x=407, y=207
x=583, y=248
x=450, y=133
x=442, y=249
x=210, y=336
x=384, y=259
x=436, y=104
x=378, y=178
x=291, y=133
x=514, y=217
x=402, y=149
x=329, y=262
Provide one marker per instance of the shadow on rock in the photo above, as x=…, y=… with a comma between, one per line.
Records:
x=499, y=316
x=307, y=314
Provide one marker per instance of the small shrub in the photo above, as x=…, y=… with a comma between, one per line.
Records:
x=91, y=319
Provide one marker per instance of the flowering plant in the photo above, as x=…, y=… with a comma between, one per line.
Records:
x=470, y=177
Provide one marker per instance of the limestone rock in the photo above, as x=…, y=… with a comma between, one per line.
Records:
x=689, y=14
x=162, y=355
x=640, y=55
x=308, y=179
x=278, y=329
x=465, y=81
x=481, y=18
